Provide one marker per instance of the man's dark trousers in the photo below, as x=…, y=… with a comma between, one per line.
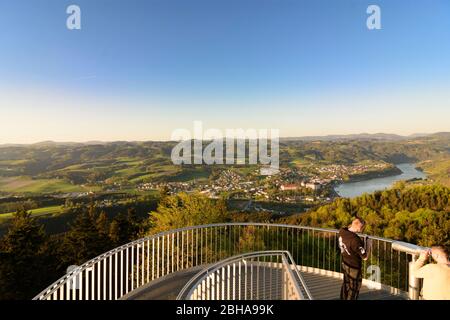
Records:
x=352, y=283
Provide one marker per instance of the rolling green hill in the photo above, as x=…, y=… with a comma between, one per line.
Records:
x=52, y=167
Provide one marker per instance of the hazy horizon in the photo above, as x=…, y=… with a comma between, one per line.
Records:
x=335, y=135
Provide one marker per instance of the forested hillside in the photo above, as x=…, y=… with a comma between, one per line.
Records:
x=418, y=214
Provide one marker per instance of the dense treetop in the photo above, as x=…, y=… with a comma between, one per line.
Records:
x=419, y=214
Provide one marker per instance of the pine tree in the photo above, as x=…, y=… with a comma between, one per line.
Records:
x=87, y=238
x=120, y=230
x=102, y=224
x=24, y=258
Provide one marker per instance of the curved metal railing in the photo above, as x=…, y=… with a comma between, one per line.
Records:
x=262, y=275
x=116, y=273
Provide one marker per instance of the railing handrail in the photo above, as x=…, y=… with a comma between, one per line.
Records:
x=215, y=266
x=162, y=234
x=410, y=248
x=295, y=282
x=190, y=285
x=300, y=277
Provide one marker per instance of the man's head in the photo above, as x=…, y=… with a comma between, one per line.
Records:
x=439, y=254
x=357, y=225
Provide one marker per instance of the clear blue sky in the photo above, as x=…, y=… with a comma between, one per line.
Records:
x=139, y=69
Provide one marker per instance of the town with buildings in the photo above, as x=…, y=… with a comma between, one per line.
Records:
x=312, y=184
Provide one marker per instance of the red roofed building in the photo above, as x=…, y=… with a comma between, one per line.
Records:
x=288, y=187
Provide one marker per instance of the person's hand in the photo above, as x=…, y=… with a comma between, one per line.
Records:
x=424, y=254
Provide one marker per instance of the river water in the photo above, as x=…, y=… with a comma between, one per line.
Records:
x=354, y=189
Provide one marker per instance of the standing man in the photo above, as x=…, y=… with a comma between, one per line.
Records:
x=436, y=276
x=353, y=252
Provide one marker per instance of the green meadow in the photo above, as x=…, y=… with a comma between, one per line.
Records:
x=52, y=210
x=437, y=170
x=24, y=184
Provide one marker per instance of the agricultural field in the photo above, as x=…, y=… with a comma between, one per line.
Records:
x=24, y=184
x=51, y=210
